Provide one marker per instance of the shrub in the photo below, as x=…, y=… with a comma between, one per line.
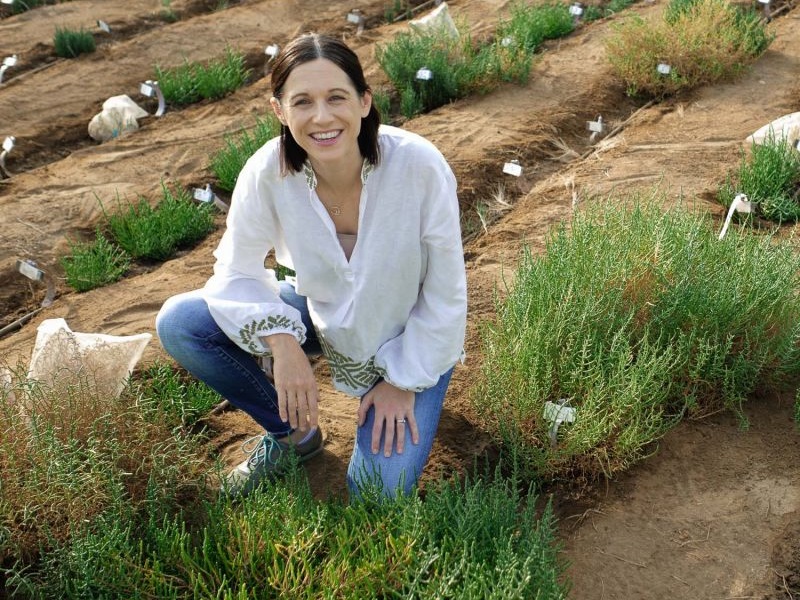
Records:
x=708, y=41
x=469, y=541
x=458, y=67
x=70, y=43
x=530, y=25
x=192, y=82
x=70, y=455
x=157, y=233
x=94, y=264
x=594, y=12
x=636, y=318
x=227, y=163
x=182, y=400
x=770, y=177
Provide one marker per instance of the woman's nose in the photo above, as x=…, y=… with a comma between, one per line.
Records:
x=322, y=112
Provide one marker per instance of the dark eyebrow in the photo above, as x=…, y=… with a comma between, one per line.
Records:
x=331, y=91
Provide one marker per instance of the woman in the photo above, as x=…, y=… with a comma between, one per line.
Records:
x=367, y=217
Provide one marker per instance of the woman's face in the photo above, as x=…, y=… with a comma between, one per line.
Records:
x=323, y=111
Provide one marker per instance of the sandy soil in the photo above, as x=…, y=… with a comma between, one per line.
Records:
x=712, y=514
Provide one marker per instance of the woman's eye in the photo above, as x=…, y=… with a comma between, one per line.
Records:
x=301, y=102
x=337, y=98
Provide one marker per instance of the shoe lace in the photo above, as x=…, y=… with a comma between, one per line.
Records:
x=260, y=448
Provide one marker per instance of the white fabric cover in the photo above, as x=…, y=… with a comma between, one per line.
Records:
x=62, y=357
x=786, y=127
x=119, y=116
x=438, y=21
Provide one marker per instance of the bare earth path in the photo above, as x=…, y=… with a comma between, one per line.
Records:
x=711, y=515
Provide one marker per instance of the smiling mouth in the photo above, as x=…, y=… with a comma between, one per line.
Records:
x=326, y=136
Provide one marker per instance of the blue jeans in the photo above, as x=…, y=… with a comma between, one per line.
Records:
x=190, y=335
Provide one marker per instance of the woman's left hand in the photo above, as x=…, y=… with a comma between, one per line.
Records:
x=394, y=412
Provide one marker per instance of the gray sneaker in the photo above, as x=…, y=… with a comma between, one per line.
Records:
x=268, y=458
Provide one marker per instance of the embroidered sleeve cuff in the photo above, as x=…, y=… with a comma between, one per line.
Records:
x=251, y=333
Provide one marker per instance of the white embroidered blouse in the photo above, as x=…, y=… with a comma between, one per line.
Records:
x=396, y=309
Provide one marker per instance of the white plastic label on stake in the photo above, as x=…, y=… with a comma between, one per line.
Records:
x=150, y=88
x=558, y=413
x=797, y=145
x=576, y=10
x=740, y=204
x=595, y=126
x=424, y=74
x=30, y=270
x=512, y=168
x=664, y=68
x=8, y=145
x=506, y=41
x=7, y=1
x=8, y=61
x=272, y=51
x=355, y=17
x=208, y=196
x=103, y=26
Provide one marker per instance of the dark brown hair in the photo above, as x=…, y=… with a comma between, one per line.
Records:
x=310, y=47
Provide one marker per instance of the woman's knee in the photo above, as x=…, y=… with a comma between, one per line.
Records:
x=179, y=316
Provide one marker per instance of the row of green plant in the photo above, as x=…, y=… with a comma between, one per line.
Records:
x=110, y=498
x=19, y=6
x=194, y=81
x=701, y=41
x=636, y=318
x=71, y=43
x=137, y=231
x=459, y=67
x=593, y=12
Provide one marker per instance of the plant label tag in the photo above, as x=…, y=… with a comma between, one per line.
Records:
x=355, y=17
x=664, y=68
x=739, y=204
x=797, y=145
x=595, y=126
x=29, y=270
x=10, y=61
x=576, y=10
x=424, y=74
x=103, y=26
x=147, y=90
x=506, y=41
x=764, y=2
x=742, y=204
x=512, y=168
x=559, y=413
x=9, y=2
x=8, y=143
x=272, y=50
x=204, y=194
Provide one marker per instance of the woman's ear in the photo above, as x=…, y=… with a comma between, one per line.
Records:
x=276, y=108
x=366, y=103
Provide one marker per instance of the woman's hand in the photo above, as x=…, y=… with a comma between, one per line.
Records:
x=394, y=411
x=295, y=384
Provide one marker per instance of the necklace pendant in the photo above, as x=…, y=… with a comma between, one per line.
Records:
x=336, y=211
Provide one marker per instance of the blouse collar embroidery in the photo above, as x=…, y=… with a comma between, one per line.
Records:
x=311, y=178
